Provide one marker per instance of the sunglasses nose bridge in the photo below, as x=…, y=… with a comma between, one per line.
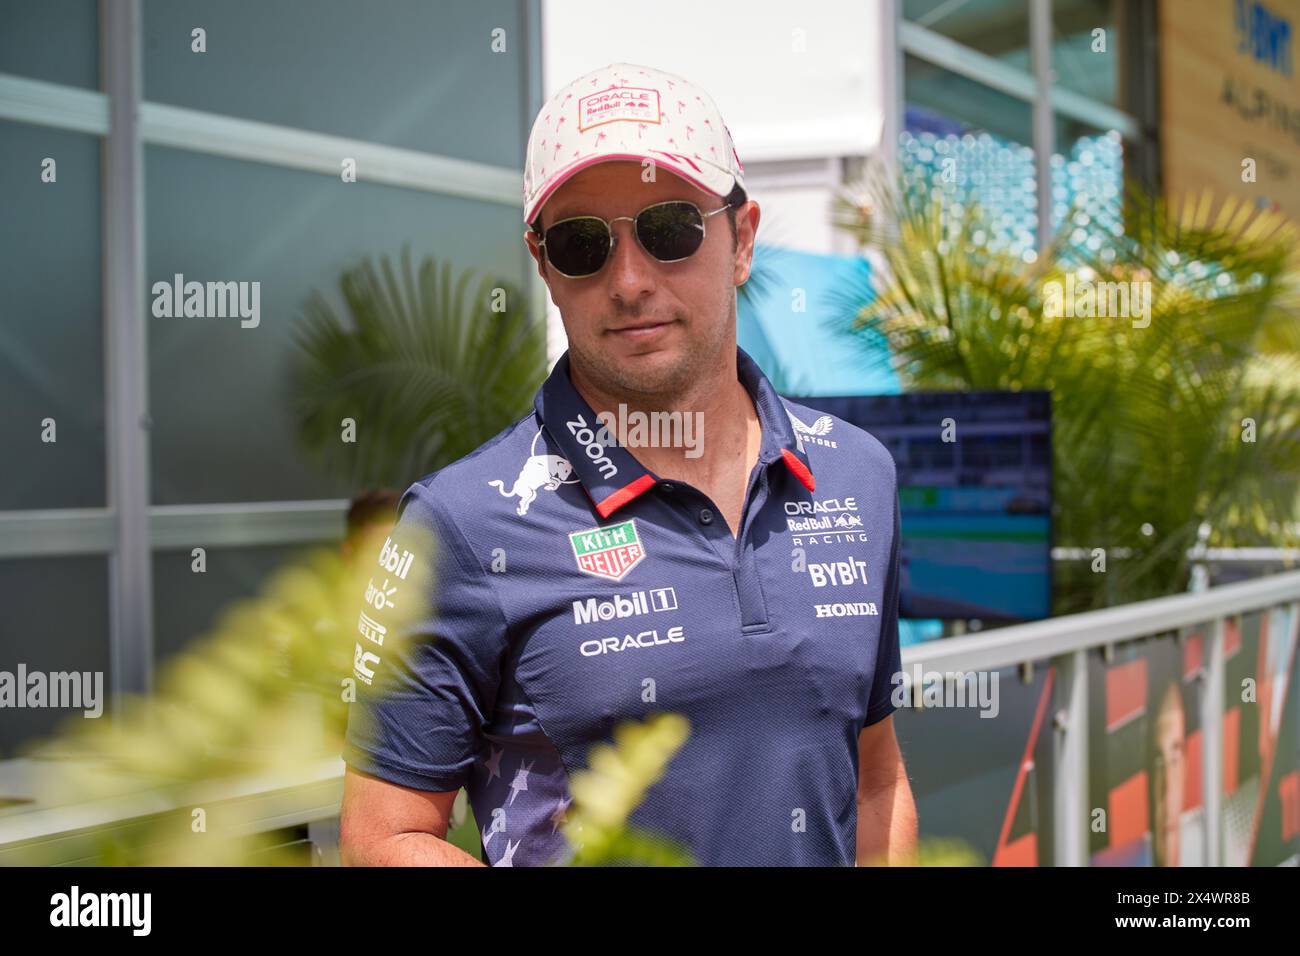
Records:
x=613, y=235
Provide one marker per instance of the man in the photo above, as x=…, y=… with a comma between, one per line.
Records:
x=369, y=520
x=748, y=582
x=1167, y=778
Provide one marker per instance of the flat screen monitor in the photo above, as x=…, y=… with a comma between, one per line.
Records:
x=974, y=487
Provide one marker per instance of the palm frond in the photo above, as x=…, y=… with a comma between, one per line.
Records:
x=428, y=364
x=1147, y=409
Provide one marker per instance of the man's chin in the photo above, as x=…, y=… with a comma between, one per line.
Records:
x=647, y=370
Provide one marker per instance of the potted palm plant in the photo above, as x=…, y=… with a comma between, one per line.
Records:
x=1164, y=423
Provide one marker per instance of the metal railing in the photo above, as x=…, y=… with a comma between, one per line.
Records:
x=1064, y=643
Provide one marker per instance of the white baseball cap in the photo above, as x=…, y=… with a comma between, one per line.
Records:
x=626, y=111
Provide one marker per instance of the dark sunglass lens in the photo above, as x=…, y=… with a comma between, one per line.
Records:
x=671, y=230
x=578, y=247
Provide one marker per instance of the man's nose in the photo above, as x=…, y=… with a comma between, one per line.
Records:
x=631, y=269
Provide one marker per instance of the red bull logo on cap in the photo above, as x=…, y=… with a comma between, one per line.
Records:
x=634, y=103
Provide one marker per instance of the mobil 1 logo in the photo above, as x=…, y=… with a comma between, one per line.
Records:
x=595, y=610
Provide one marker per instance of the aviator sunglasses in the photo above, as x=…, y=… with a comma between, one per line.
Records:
x=670, y=231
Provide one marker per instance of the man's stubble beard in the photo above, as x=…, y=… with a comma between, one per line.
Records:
x=661, y=386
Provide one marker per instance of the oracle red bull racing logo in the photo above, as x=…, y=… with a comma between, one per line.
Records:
x=609, y=552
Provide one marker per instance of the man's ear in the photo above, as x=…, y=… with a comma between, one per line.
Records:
x=531, y=240
x=747, y=217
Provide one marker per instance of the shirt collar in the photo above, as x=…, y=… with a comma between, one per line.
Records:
x=612, y=476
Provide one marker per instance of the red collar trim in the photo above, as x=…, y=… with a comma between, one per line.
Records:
x=801, y=471
x=618, y=499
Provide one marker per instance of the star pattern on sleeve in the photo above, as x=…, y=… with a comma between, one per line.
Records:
x=493, y=763
x=508, y=857
x=520, y=782
x=560, y=814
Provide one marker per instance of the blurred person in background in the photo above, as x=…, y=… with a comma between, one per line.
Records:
x=370, y=518
x=1167, y=800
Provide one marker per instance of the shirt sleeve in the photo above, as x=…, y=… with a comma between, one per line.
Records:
x=888, y=656
x=425, y=692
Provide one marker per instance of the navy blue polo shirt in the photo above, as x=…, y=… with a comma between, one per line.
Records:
x=575, y=590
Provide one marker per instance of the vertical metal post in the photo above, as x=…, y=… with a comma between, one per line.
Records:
x=1212, y=744
x=532, y=96
x=1071, y=814
x=1040, y=50
x=125, y=354
x=891, y=81
x=1200, y=577
x=324, y=838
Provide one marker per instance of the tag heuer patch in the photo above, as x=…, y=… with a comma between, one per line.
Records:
x=609, y=552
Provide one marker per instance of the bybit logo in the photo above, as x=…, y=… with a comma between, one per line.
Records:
x=838, y=573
